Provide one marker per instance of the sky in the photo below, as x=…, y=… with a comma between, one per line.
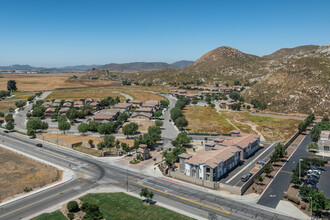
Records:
x=54, y=33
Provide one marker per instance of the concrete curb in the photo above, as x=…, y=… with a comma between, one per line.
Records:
x=67, y=176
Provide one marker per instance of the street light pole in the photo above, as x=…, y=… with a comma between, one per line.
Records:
x=311, y=207
x=300, y=168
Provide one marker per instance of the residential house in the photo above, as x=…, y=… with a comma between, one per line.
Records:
x=135, y=103
x=141, y=115
x=49, y=111
x=237, y=88
x=88, y=101
x=69, y=101
x=124, y=106
x=102, y=118
x=324, y=142
x=67, y=104
x=151, y=104
x=211, y=163
x=144, y=151
x=178, y=92
x=46, y=104
x=145, y=110
x=63, y=111
x=225, y=89
x=247, y=143
x=78, y=104
x=94, y=105
x=113, y=112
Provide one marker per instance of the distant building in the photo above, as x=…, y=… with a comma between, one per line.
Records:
x=124, y=106
x=324, y=142
x=78, y=104
x=144, y=151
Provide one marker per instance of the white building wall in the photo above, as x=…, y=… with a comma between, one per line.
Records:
x=201, y=171
x=187, y=169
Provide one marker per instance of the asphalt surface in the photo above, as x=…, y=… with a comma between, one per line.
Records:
x=323, y=183
x=234, y=177
x=92, y=173
x=280, y=184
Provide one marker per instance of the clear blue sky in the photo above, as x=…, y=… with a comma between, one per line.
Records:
x=70, y=32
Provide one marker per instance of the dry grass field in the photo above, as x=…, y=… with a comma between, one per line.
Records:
x=77, y=138
x=143, y=125
x=42, y=82
x=206, y=120
x=7, y=103
x=18, y=172
x=270, y=127
x=138, y=93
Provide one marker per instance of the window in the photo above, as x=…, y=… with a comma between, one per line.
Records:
x=207, y=169
x=326, y=148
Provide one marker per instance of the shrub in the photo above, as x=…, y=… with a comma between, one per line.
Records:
x=73, y=206
x=293, y=199
x=70, y=215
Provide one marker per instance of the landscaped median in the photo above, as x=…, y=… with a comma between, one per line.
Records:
x=115, y=206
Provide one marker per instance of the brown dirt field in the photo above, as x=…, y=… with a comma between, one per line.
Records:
x=271, y=128
x=77, y=138
x=42, y=82
x=206, y=120
x=18, y=172
x=138, y=93
x=143, y=125
x=7, y=103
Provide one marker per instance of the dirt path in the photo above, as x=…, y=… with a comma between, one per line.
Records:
x=253, y=126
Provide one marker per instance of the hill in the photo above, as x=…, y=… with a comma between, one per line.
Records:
x=290, y=80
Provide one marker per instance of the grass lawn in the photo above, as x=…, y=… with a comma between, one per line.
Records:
x=271, y=128
x=122, y=206
x=206, y=120
x=57, y=215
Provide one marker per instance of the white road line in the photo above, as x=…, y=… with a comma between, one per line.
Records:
x=250, y=163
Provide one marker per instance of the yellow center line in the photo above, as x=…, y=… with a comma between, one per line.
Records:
x=86, y=183
x=31, y=204
x=185, y=199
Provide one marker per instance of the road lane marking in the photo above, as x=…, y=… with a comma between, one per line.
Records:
x=39, y=201
x=185, y=199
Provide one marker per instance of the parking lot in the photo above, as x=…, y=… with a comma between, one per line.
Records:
x=323, y=183
x=233, y=178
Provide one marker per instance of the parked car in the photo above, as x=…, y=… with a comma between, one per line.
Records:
x=6, y=131
x=310, y=182
x=316, y=174
x=315, y=170
x=312, y=175
x=311, y=186
x=312, y=179
x=39, y=145
x=245, y=177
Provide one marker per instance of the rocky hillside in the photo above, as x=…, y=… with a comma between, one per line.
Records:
x=301, y=85
x=292, y=80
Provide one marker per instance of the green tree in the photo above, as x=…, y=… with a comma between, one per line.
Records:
x=158, y=113
x=73, y=206
x=274, y=157
x=2, y=114
x=313, y=146
x=181, y=140
x=106, y=128
x=64, y=126
x=181, y=122
x=268, y=168
x=11, y=85
x=10, y=125
x=144, y=192
x=150, y=195
x=20, y=104
x=90, y=142
x=9, y=118
x=302, y=127
x=295, y=179
x=159, y=123
x=93, y=126
x=72, y=114
x=319, y=201
x=176, y=113
x=83, y=128
x=107, y=143
x=234, y=95
x=130, y=129
x=30, y=132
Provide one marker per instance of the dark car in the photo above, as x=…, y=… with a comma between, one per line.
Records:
x=311, y=186
x=39, y=145
x=310, y=182
x=245, y=177
x=312, y=175
x=312, y=179
x=6, y=131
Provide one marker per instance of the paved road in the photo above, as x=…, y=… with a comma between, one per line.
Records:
x=281, y=183
x=93, y=173
x=20, y=117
